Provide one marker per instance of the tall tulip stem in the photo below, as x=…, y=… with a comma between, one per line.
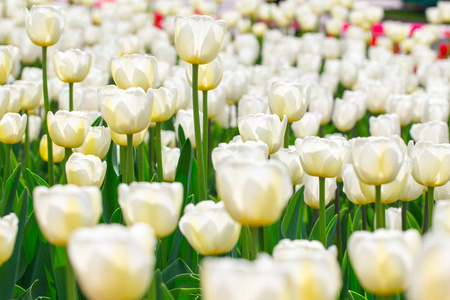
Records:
x=322, y=216
x=71, y=284
x=27, y=143
x=286, y=136
x=254, y=242
x=198, y=136
x=159, y=152
x=7, y=171
x=70, y=96
x=404, y=212
x=140, y=153
x=130, y=171
x=67, y=152
x=123, y=163
x=364, y=216
x=47, y=109
x=379, y=208
x=430, y=205
x=205, y=135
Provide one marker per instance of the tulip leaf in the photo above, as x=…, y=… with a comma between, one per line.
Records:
x=28, y=294
x=331, y=230
x=293, y=216
x=184, y=168
x=412, y=222
x=186, y=280
x=10, y=191
x=315, y=231
x=33, y=178
x=166, y=293
x=97, y=122
x=18, y=291
x=31, y=242
x=185, y=293
x=110, y=184
x=357, y=219
x=355, y=296
x=116, y=216
x=175, y=268
x=181, y=136
x=9, y=269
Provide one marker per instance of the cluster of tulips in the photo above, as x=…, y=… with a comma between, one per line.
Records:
x=273, y=152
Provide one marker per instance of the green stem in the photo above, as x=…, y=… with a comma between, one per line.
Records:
x=254, y=242
x=70, y=96
x=198, y=136
x=380, y=221
x=286, y=136
x=140, y=150
x=123, y=163
x=130, y=170
x=322, y=216
x=364, y=216
x=7, y=171
x=404, y=211
x=164, y=251
x=27, y=143
x=150, y=152
x=430, y=205
x=205, y=136
x=51, y=179
x=338, y=221
x=159, y=152
x=67, y=152
x=245, y=252
x=71, y=284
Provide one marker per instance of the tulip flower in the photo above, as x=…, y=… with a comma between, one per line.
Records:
x=185, y=118
x=393, y=218
x=344, y=115
x=16, y=95
x=12, y=129
x=8, y=232
x=441, y=223
x=134, y=70
x=97, y=142
x=170, y=158
x=233, y=152
x=384, y=125
x=308, y=126
x=372, y=252
x=184, y=91
x=208, y=228
x=442, y=192
x=321, y=104
x=121, y=139
x=290, y=158
x=430, y=163
x=266, y=128
x=85, y=170
x=112, y=261
x=67, y=129
x=253, y=105
x=6, y=63
x=235, y=83
x=377, y=161
x=433, y=131
x=58, y=152
x=235, y=279
x=402, y=106
x=314, y=270
x=62, y=209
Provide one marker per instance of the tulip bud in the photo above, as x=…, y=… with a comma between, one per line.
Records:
x=12, y=128
x=269, y=196
x=235, y=83
x=73, y=65
x=113, y=261
x=67, y=129
x=307, y=126
x=184, y=91
x=216, y=102
x=8, y=232
x=433, y=131
x=134, y=70
x=170, y=158
x=436, y=110
x=396, y=31
x=164, y=103
x=58, y=152
x=402, y=106
x=441, y=220
x=430, y=163
x=198, y=38
x=6, y=63
x=290, y=158
x=44, y=24
x=16, y=94
x=34, y=128
x=85, y=170
x=359, y=98
x=208, y=228
x=393, y=218
x=311, y=194
x=352, y=186
x=32, y=94
x=384, y=125
x=344, y=115
x=350, y=76
x=323, y=105
x=121, y=139
x=290, y=99
x=62, y=209
x=157, y=204
x=97, y=142
x=209, y=75
x=371, y=252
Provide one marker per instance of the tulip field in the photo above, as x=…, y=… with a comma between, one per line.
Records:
x=161, y=150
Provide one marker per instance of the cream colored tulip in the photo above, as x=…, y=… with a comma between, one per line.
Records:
x=164, y=103
x=157, y=204
x=16, y=94
x=72, y=65
x=198, y=38
x=308, y=126
x=442, y=192
x=32, y=94
x=248, y=105
x=344, y=115
x=352, y=188
x=323, y=105
x=97, y=142
x=393, y=218
x=67, y=129
x=8, y=232
x=113, y=261
x=290, y=99
x=6, y=63
x=430, y=163
x=290, y=158
x=216, y=102
x=254, y=193
x=170, y=157
x=236, y=83
x=121, y=139
x=233, y=152
x=62, y=209
x=134, y=70
x=209, y=75
x=311, y=194
x=384, y=125
x=314, y=270
x=383, y=259
x=433, y=131
x=262, y=127
x=359, y=98
x=34, y=128
x=441, y=217
x=5, y=95
x=237, y=279
x=208, y=228
x=184, y=91
x=44, y=24
x=58, y=152
x=85, y=170
x=127, y=112
x=185, y=118
x=322, y=157
x=395, y=30
x=377, y=160
x=350, y=76
x=12, y=128
x=402, y=106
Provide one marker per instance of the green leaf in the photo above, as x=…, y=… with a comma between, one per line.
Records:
x=97, y=122
x=109, y=189
x=116, y=216
x=357, y=219
x=10, y=191
x=37, y=179
x=28, y=295
x=315, y=231
x=8, y=271
x=355, y=296
x=31, y=242
x=175, y=268
x=184, y=168
x=18, y=291
x=185, y=293
x=181, y=135
x=166, y=293
x=293, y=215
x=412, y=222
x=186, y=280
x=331, y=230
